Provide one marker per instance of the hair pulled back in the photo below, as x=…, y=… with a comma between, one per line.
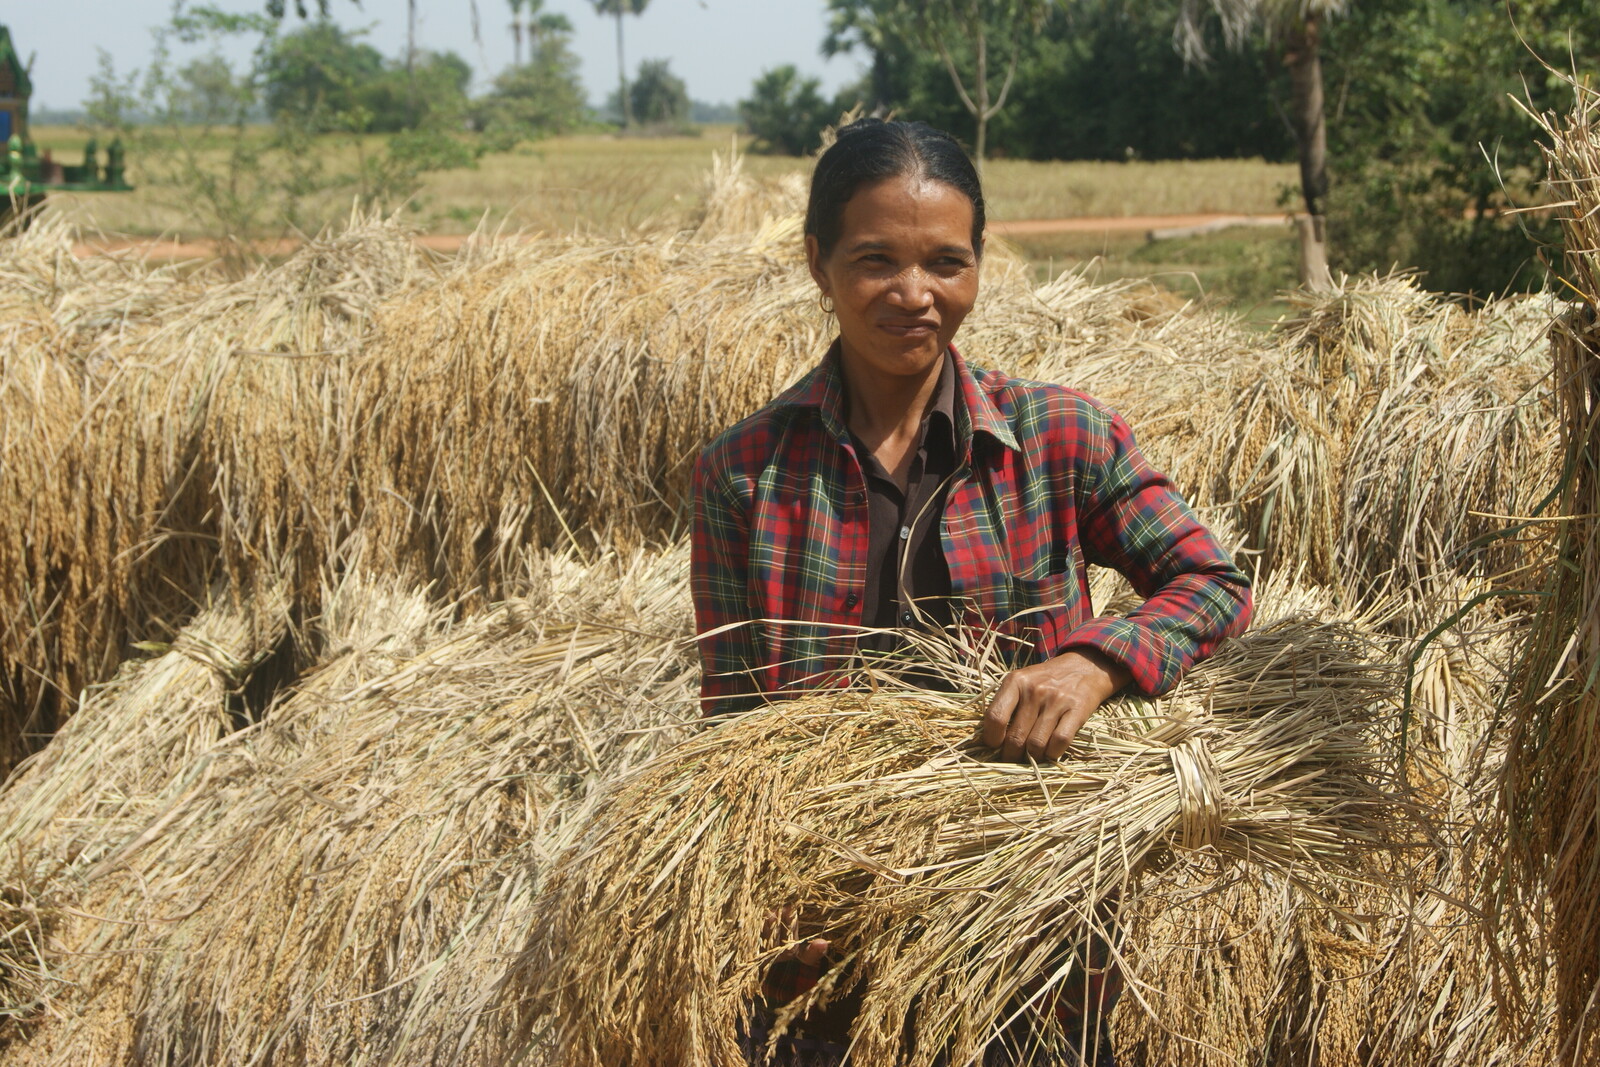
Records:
x=870, y=150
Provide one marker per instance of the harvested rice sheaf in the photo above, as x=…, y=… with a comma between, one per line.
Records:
x=349, y=879
x=1551, y=784
x=1391, y=969
x=947, y=882
x=180, y=429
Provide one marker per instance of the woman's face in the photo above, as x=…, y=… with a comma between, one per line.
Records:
x=902, y=275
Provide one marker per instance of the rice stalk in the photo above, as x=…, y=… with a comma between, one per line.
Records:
x=946, y=882
x=348, y=881
x=1390, y=969
x=1550, y=790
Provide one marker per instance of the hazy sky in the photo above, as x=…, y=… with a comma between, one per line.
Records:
x=717, y=46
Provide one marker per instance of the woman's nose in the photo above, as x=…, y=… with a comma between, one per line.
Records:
x=912, y=289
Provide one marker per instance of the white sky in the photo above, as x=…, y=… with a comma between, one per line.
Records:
x=717, y=46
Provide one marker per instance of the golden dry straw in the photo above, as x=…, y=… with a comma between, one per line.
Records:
x=947, y=882
x=1551, y=784
x=1393, y=969
x=349, y=880
x=163, y=431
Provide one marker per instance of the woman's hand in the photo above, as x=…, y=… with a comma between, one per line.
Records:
x=1039, y=709
x=786, y=924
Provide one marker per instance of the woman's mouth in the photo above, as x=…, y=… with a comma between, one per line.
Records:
x=919, y=328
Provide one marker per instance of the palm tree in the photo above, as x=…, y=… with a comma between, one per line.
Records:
x=542, y=23
x=1294, y=27
x=870, y=25
x=619, y=8
x=516, y=29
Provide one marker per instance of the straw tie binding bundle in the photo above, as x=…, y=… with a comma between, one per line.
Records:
x=1202, y=803
x=947, y=883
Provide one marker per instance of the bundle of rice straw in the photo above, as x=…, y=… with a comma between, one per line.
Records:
x=144, y=457
x=733, y=201
x=1386, y=437
x=348, y=880
x=173, y=430
x=1389, y=970
x=1551, y=786
x=117, y=761
x=946, y=882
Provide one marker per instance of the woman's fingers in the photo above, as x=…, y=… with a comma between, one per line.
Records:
x=1023, y=717
x=1066, y=728
x=1052, y=711
x=1038, y=710
x=998, y=718
x=813, y=952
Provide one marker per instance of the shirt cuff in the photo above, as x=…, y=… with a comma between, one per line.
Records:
x=1144, y=654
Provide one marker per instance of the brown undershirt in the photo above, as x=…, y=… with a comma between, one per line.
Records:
x=908, y=583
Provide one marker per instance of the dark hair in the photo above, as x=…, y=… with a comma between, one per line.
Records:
x=871, y=150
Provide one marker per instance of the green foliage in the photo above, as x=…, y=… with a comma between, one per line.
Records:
x=620, y=7
x=979, y=43
x=1426, y=144
x=660, y=98
x=432, y=95
x=541, y=97
x=327, y=79
x=197, y=135
x=278, y=9
x=786, y=113
x=317, y=73
x=1100, y=79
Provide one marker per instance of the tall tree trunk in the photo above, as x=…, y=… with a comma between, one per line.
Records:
x=411, y=62
x=882, y=89
x=622, y=76
x=516, y=37
x=983, y=89
x=1302, y=56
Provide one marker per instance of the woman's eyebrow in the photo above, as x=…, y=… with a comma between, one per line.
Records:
x=883, y=246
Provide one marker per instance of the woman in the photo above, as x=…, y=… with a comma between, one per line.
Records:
x=895, y=486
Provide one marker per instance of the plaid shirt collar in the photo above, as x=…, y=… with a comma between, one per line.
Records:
x=823, y=390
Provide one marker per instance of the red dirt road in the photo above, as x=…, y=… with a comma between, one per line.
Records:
x=1156, y=226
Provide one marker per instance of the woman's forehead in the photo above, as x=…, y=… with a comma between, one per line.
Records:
x=907, y=204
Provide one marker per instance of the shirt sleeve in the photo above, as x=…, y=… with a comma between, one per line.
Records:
x=1131, y=518
x=719, y=583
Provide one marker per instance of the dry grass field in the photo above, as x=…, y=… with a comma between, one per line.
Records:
x=348, y=685
x=607, y=183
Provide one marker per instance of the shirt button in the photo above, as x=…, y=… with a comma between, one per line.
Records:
x=858, y=498
x=905, y=618
x=851, y=601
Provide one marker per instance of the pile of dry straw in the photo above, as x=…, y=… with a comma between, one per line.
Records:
x=340, y=589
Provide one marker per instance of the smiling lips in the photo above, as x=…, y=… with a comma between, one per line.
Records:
x=917, y=328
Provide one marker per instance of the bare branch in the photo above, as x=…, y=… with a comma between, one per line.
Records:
x=1011, y=72
x=955, y=75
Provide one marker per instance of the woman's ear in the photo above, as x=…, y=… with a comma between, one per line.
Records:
x=814, y=262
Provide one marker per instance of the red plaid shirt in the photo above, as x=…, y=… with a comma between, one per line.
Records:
x=1048, y=482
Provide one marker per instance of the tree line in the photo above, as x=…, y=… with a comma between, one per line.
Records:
x=1404, y=115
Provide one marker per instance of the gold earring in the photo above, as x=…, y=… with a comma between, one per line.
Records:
x=825, y=303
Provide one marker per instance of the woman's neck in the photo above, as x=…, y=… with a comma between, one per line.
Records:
x=885, y=411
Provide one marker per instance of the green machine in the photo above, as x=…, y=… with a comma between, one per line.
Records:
x=26, y=175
